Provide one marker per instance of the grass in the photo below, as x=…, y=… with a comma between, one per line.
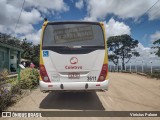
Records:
x=154, y=75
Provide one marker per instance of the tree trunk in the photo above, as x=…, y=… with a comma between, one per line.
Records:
x=123, y=65
x=118, y=64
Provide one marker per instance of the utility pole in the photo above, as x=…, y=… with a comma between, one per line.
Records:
x=130, y=67
x=142, y=66
x=136, y=66
x=151, y=68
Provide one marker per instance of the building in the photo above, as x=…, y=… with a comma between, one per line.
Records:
x=10, y=54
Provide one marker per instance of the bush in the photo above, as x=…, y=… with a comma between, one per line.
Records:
x=15, y=87
x=7, y=91
x=29, y=78
x=155, y=75
x=5, y=96
x=10, y=88
x=3, y=76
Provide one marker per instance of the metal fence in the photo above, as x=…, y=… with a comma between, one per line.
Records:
x=141, y=66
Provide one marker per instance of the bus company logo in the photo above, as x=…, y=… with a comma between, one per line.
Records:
x=73, y=60
x=73, y=67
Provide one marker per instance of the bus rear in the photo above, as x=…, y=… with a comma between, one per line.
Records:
x=73, y=56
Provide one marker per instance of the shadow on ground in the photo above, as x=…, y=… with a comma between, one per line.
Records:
x=72, y=101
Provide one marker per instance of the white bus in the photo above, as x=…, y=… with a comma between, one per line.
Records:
x=73, y=56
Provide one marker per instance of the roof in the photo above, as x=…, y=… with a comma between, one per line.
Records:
x=11, y=47
x=73, y=22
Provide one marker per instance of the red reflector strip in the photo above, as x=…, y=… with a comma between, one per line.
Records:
x=50, y=85
x=98, y=85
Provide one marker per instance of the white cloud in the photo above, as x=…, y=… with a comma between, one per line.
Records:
x=33, y=37
x=32, y=14
x=114, y=28
x=31, y=17
x=5, y=29
x=155, y=36
x=79, y=4
x=144, y=51
x=147, y=54
x=99, y=9
x=24, y=29
x=8, y=13
x=48, y=5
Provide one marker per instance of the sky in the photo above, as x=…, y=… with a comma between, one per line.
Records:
x=133, y=17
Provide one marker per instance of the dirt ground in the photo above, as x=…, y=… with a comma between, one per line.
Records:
x=127, y=92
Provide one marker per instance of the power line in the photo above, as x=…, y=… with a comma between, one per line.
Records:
x=151, y=7
x=155, y=13
x=148, y=10
x=19, y=15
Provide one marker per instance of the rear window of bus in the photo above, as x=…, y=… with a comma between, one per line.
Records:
x=73, y=35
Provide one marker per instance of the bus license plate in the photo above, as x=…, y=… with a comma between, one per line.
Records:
x=73, y=75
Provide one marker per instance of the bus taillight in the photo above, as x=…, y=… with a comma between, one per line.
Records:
x=103, y=73
x=44, y=74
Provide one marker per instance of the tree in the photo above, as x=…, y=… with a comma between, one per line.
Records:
x=122, y=47
x=8, y=39
x=31, y=51
x=27, y=47
x=35, y=55
x=157, y=46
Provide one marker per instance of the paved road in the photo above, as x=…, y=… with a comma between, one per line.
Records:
x=127, y=92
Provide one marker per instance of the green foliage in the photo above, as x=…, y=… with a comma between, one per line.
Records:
x=7, y=91
x=5, y=97
x=122, y=47
x=9, y=88
x=15, y=86
x=29, y=78
x=8, y=39
x=31, y=52
x=3, y=75
x=157, y=46
x=155, y=75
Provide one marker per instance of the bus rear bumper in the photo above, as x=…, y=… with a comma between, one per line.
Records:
x=73, y=86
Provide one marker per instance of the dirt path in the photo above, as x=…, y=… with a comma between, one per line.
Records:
x=127, y=92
